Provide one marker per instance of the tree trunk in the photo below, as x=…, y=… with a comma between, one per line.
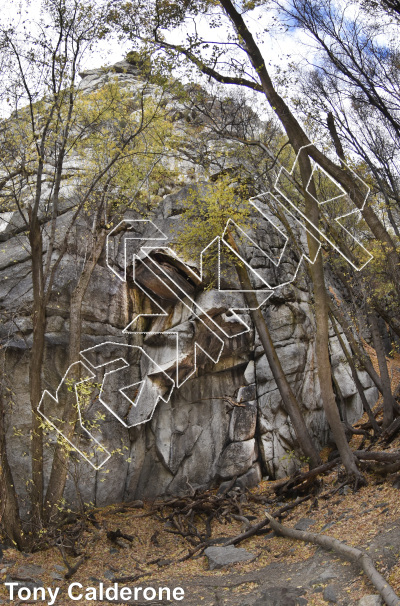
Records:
x=324, y=371
x=389, y=403
x=35, y=370
x=322, y=322
x=358, y=351
x=354, y=374
x=59, y=470
x=299, y=139
x=9, y=511
x=393, y=321
x=288, y=398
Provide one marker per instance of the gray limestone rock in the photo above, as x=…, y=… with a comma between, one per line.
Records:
x=331, y=594
x=243, y=422
x=249, y=375
x=247, y=393
x=251, y=478
x=191, y=441
x=219, y=557
x=370, y=600
x=282, y=596
x=304, y=524
x=237, y=458
x=326, y=575
x=29, y=572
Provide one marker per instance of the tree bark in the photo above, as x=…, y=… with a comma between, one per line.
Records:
x=288, y=398
x=369, y=455
x=393, y=321
x=389, y=403
x=35, y=368
x=59, y=470
x=9, y=510
x=354, y=374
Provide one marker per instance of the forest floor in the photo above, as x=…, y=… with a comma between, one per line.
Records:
x=282, y=572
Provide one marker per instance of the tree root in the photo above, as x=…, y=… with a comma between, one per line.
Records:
x=359, y=480
x=257, y=527
x=253, y=530
x=384, y=470
x=303, y=480
x=350, y=553
x=71, y=569
x=113, y=535
x=390, y=432
x=382, y=456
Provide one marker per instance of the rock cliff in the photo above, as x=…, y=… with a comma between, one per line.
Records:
x=226, y=418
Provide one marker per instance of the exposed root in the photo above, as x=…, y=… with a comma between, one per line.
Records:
x=358, y=556
x=303, y=481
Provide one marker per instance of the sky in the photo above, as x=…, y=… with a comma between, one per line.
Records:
x=276, y=47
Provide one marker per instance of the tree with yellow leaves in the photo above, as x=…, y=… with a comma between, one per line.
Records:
x=68, y=157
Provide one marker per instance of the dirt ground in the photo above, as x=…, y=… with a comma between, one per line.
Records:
x=282, y=572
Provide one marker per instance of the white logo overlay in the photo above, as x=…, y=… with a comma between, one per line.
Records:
x=133, y=402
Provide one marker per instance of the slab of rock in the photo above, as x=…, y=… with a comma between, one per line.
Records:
x=29, y=572
x=370, y=600
x=282, y=596
x=237, y=458
x=60, y=568
x=249, y=373
x=243, y=422
x=247, y=393
x=331, y=594
x=251, y=478
x=327, y=575
x=28, y=584
x=219, y=557
x=304, y=524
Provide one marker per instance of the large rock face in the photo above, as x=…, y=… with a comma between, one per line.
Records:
x=224, y=416
x=199, y=437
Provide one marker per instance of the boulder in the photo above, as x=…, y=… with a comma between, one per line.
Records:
x=249, y=373
x=220, y=557
x=304, y=524
x=370, y=600
x=236, y=459
x=243, y=422
x=190, y=441
x=331, y=594
x=247, y=393
x=282, y=596
x=251, y=478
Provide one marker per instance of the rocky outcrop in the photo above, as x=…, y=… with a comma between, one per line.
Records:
x=225, y=419
x=198, y=438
